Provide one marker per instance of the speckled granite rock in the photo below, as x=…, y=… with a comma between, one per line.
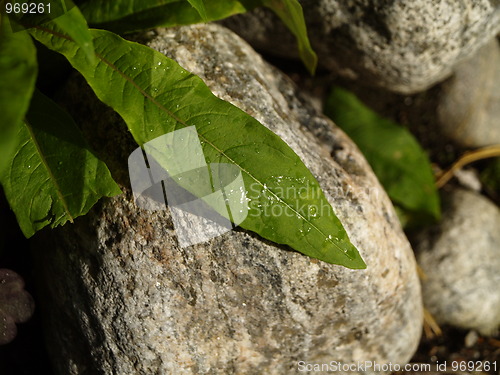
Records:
x=405, y=46
x=461, y=258
x=122, y=297
x=469, y=107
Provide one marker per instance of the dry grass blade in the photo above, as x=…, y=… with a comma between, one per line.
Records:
x=431, y=328
x=467, y=158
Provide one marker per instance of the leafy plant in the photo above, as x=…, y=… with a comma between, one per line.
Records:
x=397, y=159
x=154, y=95
x=123, y=16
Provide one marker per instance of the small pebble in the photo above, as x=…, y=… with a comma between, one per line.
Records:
x=471, y=339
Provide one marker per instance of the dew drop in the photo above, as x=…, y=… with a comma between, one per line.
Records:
x=159, y=63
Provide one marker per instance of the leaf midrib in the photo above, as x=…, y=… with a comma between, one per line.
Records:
x=52, y=177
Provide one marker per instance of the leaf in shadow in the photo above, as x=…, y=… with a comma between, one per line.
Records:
x=131, y=15
x=290, y=12
x=53, y=176
x=397, y=159
x=18, y=71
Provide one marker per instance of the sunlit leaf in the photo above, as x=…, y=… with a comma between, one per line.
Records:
x=154, y=95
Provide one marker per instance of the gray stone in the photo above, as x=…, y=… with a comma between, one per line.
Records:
x=461, y=258
x=122, y=297
x=469, y=108
x=405, y=46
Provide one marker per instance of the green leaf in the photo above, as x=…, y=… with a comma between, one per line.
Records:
x=18, y=70
x=64, y=13
x=290, y=12
x=130, y=15
x=53, y=177
x=200, y=8
x=397, y=159
x=75, y=26
x=155, y=96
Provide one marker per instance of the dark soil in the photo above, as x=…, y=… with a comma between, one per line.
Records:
x=460, y=350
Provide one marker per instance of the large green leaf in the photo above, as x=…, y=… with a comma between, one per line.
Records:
x=290, y=12
x=18, y=70
x=154, y=95
x=53, y=177
x=397, y=159
x=133, y=15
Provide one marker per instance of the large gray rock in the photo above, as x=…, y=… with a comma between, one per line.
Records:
x=122, y=297
x=469, y=109
x=405, y=46
x=461, y=258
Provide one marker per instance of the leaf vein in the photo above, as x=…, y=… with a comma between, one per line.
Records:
x=49, y=171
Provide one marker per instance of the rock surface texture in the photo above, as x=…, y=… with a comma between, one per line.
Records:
x=404, y=46
x=461, y=258
x=123, y=298
x=469, y=109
